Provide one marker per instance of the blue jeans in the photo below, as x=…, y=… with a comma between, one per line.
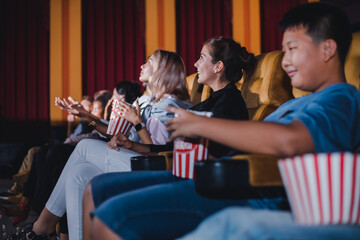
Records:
x=250, y=224
x=157, y=205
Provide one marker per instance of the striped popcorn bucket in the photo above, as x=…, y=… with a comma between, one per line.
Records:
x=323, y=188
x=186, y=152
x=117, y=123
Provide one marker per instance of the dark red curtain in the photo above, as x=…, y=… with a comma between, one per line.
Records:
x=352, y=10
x=271, y=14
x=197, y=21
x=24, y=60
x=113, y=40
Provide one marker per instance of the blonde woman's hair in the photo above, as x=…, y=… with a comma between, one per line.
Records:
x=169, y=77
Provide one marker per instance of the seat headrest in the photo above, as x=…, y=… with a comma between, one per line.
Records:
x=268, y=84
x=352, y=63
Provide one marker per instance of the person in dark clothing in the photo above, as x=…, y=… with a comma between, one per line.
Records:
x=221, y=105
x=40, y=182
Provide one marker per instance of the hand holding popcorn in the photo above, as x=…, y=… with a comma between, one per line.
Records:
x=183, y=124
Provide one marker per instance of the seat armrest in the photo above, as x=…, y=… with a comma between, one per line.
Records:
x=169, y=159
x=148, y=162
x=263, y=170
x=244, y=176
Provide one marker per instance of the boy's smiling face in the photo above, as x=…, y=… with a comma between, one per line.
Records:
x=303, y=60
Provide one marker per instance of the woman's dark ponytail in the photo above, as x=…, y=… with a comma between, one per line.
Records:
x=248, y=59
x=237, y=60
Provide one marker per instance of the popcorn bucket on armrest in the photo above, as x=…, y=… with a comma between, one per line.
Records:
x=323, y=188
x=117, y=123
x=187, y=151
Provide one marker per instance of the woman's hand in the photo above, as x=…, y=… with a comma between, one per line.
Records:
x=130, y=113
x=183, y=124
x=78, y=107
x=119, y=140
x=65, y=105
x=74, y=107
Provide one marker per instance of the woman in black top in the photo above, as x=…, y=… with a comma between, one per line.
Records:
x=221, y=64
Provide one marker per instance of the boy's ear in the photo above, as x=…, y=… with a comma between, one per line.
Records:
x=329, y=49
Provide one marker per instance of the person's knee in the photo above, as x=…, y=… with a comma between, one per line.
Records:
x=87, y=146
x=58, y=154
x=76, y=179
x=88, y=192
x=80, y=175
x=82, y=143
x=87, y=143
x=52, y=153
x=81, y=147
x=40, y=155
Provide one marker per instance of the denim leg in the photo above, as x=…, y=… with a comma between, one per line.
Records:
x=164, y=211
x=250, y=224
x=108, y=185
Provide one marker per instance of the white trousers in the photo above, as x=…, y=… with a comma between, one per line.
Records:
x=89, y=159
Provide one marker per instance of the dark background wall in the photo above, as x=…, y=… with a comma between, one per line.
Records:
x=352, y=9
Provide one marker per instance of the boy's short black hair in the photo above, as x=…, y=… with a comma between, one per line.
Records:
x=103, y=99
x=130, y=89
x=323, y=21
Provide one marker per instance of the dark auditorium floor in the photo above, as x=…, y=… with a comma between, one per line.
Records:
x=5, y=222
x=15, y=137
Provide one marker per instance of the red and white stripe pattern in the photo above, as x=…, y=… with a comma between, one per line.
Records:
x=323, y=188
x=185, y=155
x=117, y=123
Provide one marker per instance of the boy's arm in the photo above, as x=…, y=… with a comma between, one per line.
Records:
x=249, y=136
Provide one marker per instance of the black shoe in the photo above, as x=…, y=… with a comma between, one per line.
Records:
x=7, y=194
x=28, y=233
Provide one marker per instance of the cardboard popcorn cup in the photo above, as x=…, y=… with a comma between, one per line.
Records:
x=187, y=151
x=117, y=123
x=323, y=188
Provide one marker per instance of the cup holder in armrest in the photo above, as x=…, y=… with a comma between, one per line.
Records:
x=229, y=179
x=150, y=162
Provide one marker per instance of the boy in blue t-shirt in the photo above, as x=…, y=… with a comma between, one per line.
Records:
x=316, y=40
x=315, y=43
